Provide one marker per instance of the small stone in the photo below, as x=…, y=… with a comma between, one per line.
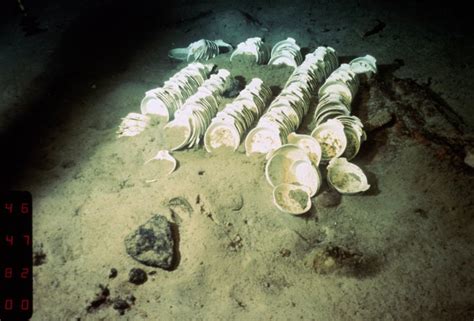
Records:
x=137, y=276
x=152, y=243
x=113, y=273
x=285, y=252
x=121, y=305
x=329, y=198
x=100, y=298
x=39, y=256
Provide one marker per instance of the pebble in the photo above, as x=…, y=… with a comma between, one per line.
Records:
x=328, y=198
x=137, y=276
x=152, y=243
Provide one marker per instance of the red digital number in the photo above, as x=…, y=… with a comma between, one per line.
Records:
x=8, y=273
x=8, y=304
x=24, y=208
x=26, y=237
x=9, y=239
x=25, y=304
x=9, y=207
x=24, y=273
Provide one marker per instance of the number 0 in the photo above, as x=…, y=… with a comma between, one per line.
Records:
x=25, y=304
x=8, y=304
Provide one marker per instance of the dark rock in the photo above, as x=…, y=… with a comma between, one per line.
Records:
x=329, y=198
x=121, y=305
x=378, y=119
x=39, y=257
x=137, y=276
x=152, y=243
x=131, y=298
x=285, y=252
x=113, y=273
x=100, y=298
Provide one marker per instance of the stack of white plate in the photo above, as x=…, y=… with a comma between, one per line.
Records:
x=229, y=126
x=192, y=120
x=339, y=133
x=316, y=67
x=165, y=101
x=254, y=47
x=286, y=52
x=286, y=112
x=202, y=49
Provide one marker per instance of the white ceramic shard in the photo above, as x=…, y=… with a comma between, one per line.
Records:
x=164, y=156
x=331, y=138
x=346, y=177
x=292, y=198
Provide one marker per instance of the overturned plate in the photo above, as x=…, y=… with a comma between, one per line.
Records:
x=291, y=198
x=345, y=177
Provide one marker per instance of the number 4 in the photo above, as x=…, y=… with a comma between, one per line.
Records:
x=9, y=239
x=9, y=207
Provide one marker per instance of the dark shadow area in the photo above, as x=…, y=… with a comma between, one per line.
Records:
x=96, y=46
x=176, y=253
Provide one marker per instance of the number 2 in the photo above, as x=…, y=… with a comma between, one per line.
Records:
x=24, y=273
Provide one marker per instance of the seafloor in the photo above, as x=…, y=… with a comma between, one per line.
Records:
x=404, y=250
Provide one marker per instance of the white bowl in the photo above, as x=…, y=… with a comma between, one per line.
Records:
x=346, y=177
x=291, y=198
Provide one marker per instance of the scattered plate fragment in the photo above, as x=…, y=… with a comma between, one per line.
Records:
x=164, y=156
